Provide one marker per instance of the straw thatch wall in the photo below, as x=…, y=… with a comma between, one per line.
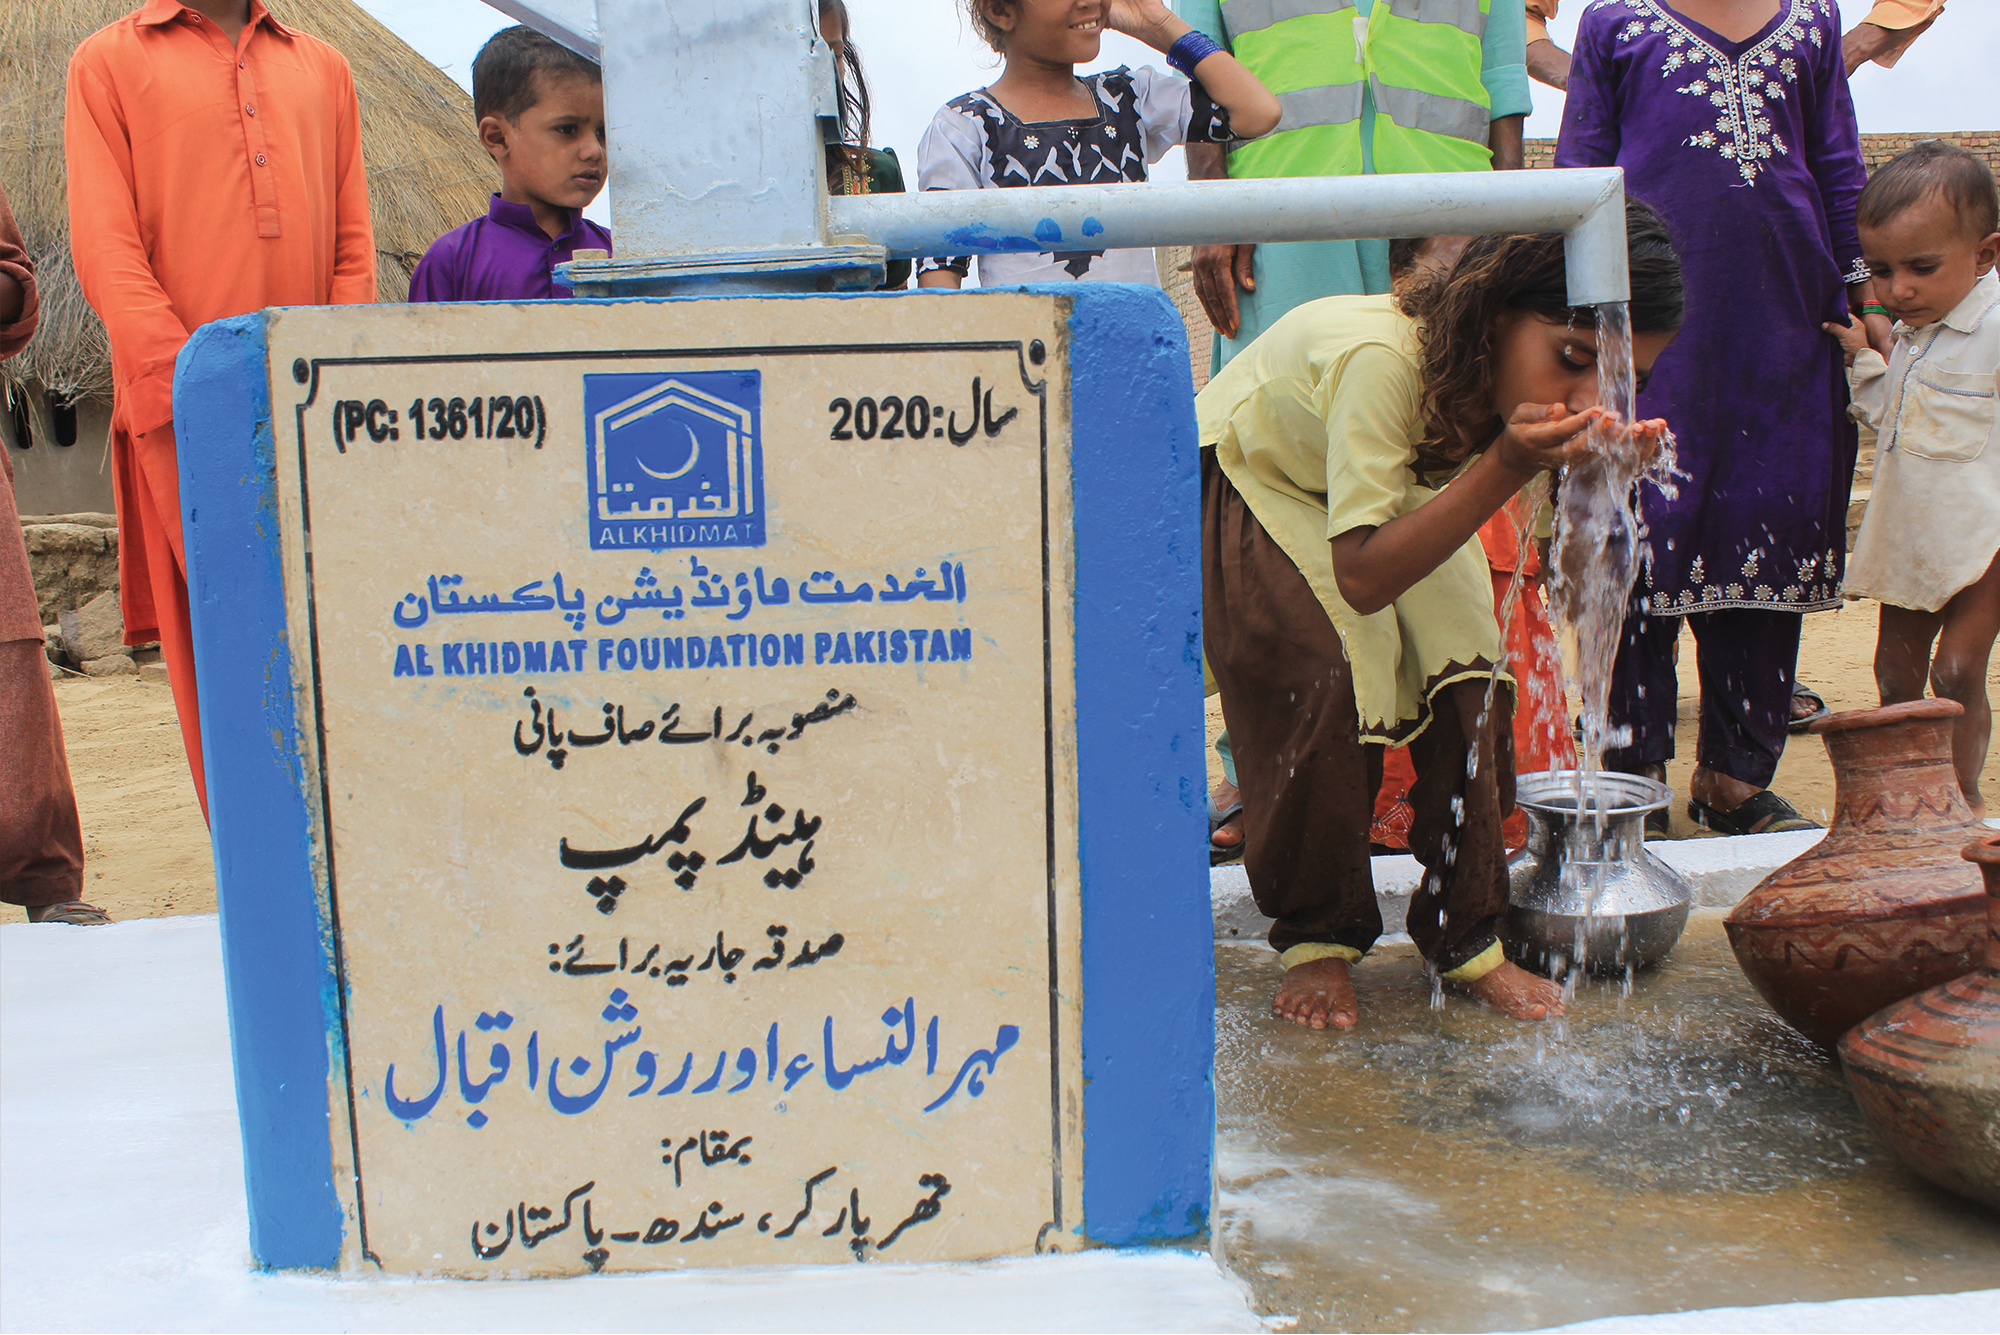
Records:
x=426, y=171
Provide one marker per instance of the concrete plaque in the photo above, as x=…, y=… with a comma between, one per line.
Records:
x=674, y=708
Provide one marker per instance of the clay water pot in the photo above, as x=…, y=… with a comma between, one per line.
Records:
x=1926, y=1071
x=1883, y=906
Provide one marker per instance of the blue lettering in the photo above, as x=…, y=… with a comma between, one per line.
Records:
x=841, y=653
x=795, y=650
x=768, y=648
x=510, y=657
x=670, y=652
x=917, y=645
x=899, y=646
x=558, y=660
x=605, y=648
x=864, y=646
x=939, y=652
x=628, y=655
x=576, y=648
x=404, y=667
x=424, y=668
x=649, y=654
x=475, y=659
x=697, y=651
x=535, y=655
x=822, y=646
x=961, y=645
x=717, y=655
x=454, y=660
x=736, y=650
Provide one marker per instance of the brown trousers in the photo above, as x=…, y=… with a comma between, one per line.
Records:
x=1309, y=781
x=41, y=843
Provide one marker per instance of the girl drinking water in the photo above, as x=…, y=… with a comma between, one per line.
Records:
x=1039, y=124
x=1346, y=604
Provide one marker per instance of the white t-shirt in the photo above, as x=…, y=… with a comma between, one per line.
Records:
x=974, y=143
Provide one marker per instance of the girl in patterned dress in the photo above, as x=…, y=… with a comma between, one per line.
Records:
x=1039, y=124
x=1732, y=118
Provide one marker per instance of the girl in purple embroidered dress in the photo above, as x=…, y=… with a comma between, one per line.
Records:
x=1732, y=118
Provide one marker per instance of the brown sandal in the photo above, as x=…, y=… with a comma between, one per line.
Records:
x=74, y=912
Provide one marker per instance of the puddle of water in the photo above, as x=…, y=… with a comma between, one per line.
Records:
x=1669, y=1149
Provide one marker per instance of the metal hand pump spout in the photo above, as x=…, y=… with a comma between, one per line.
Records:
x=718, y=111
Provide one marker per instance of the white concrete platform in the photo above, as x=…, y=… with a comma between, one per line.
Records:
x=122, y=1208
x=1721, y=869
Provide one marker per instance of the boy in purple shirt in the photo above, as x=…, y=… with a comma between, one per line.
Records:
x=541, y=116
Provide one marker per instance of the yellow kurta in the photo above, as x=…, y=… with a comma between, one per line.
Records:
x=1316, y=424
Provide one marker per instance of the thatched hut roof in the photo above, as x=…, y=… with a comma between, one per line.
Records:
x=426, y=171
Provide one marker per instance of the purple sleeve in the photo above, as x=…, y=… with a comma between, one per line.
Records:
x=1589, y=136
x=436, y=276
x=1833, y=150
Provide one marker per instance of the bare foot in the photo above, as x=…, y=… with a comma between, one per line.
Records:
x=1318, y=993
x=1514, y=991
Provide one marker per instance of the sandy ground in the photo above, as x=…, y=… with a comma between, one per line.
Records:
x=1836, y=658
x=146, y=846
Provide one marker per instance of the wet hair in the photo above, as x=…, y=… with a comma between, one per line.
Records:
x=989, y=32
x=1460, y=308
x=1932, y=170
x=850, y=84
x=504, y=73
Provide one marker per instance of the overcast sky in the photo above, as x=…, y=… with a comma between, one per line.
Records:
x=920, y=53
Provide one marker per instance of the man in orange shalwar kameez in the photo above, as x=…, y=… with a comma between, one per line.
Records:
x=214, y=161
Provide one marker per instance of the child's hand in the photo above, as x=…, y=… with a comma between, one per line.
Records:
x=1648, y=437
x=1853, y=336
x=1148, y=20
x=1543, y=437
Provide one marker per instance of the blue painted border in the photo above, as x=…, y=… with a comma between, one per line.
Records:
x=1148, y=930
x=1148, y=979
x=276, y=953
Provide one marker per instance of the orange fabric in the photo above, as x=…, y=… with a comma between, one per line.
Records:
x=1541, y=712
x=205, y=181
x=1896, y=15
x=158, y=495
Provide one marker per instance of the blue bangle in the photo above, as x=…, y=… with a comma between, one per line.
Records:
x=1190, y=50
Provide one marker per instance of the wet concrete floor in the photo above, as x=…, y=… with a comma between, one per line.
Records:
x=1447, y=1169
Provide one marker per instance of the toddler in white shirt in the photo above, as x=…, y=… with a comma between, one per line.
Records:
x=1929, y=546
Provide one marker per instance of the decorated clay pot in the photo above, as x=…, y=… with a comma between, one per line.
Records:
x=1926, y=1071
x=1883, y=906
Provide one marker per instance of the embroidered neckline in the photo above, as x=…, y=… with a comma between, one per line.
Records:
x=1740, y=87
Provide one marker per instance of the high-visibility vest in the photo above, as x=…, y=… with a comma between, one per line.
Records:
x=1420, y=58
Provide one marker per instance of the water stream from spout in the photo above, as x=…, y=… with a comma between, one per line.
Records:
x=1594, y=560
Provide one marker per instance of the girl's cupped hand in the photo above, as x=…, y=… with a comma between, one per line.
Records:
x=1543, y=437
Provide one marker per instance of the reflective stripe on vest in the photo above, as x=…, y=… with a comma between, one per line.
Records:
x=1432, y=109
x=1240, y=17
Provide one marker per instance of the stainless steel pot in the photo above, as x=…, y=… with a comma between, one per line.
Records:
x=1585, y=890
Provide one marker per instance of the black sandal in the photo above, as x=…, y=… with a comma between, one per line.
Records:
x=1218, y=854
x=74, y=912
x=1765, y=813
x=1820, y=711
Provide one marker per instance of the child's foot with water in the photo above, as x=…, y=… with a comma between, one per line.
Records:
x=1318, y=994
x=1514, y=991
